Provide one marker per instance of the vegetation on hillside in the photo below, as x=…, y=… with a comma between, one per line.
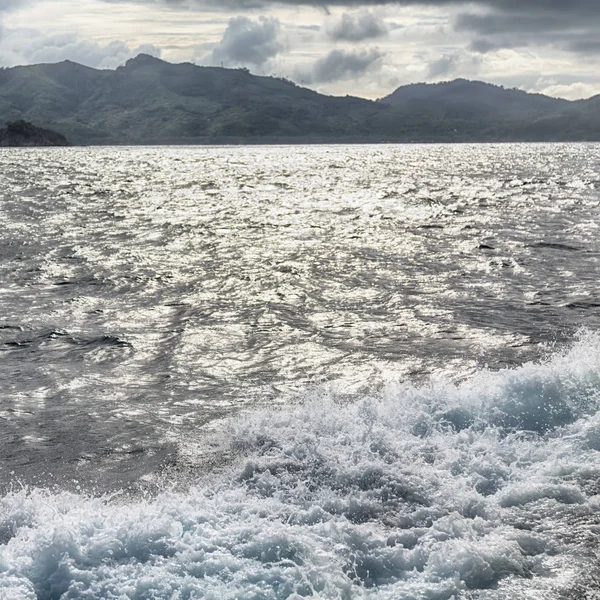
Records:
x=23, y=133
x=152, y=101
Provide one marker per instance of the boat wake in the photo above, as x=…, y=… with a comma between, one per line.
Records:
x=484, y=489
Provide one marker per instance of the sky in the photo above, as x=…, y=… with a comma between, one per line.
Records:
x=356, y=47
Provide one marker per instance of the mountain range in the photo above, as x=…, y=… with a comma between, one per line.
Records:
x=150, y=101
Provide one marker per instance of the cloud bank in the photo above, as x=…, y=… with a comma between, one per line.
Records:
x=570, y=25
x=32, y=46
x=581, y=7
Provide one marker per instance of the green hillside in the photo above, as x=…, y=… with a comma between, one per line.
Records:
x=150, y=101
x=22, y=133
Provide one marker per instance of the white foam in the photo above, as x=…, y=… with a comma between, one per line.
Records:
x=486, y=487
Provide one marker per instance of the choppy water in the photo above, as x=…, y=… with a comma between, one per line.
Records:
x=330, y=372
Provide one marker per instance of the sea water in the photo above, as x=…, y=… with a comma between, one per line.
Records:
x=291, y=372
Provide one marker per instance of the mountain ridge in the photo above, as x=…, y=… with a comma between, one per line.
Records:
x=463, y=90
x=151, y=101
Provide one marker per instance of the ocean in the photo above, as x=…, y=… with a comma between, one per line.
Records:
x=337, y=372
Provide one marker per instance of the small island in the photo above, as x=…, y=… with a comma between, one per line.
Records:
x=23, y=133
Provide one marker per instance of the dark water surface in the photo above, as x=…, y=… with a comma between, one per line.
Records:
x=148, y=293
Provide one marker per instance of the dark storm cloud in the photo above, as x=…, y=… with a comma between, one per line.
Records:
x=494, y=24
x=589, y=45
x=340, y=64
x=580, y=42
x=356, y=27
x=570, y=26
x=248, y=42
x=573, y=32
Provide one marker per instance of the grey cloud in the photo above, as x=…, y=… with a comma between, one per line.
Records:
x=583, y=42
x=493, y=23
x=542, y=6
x=58, y=48
x=248, y=42
x=585, y=45
x=459, y=63
x=442, y=67
x=356, y=27
x=5, y=7
x=523, y=6
x=570, y=26
x=340, y=64
x=8, y=5
x=150, y=49
x=571, y=32
x=32, y=46
x=482, y=46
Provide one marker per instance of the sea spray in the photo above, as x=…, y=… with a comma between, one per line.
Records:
x=484, y=489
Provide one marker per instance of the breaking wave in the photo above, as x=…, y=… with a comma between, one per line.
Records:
x=483, y=489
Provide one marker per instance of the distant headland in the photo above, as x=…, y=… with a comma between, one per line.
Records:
x=23, y=133
x=150, y=101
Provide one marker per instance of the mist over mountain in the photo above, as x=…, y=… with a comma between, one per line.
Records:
x=151, y=101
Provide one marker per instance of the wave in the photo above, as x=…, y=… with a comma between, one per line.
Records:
x=103, y=348
x=484, y=489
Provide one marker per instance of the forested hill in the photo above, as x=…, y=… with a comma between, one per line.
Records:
x=22, y=133
x=464, y=98
x=151, y=101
